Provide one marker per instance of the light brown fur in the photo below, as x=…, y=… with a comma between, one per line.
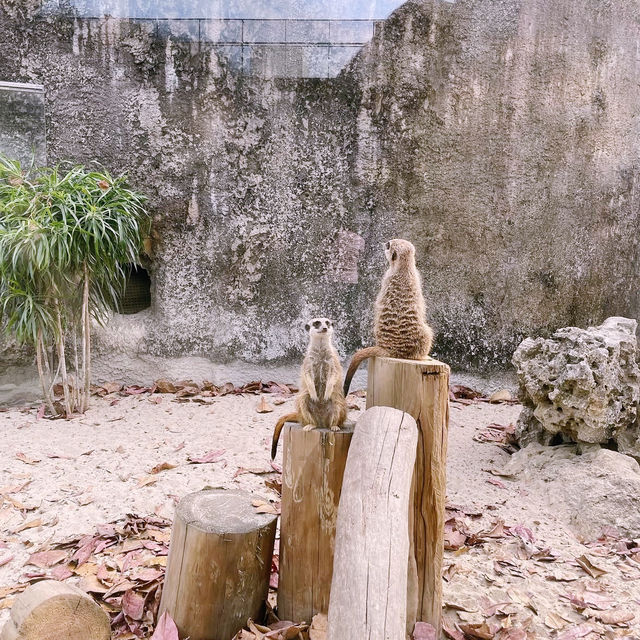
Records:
x=400, y=323
x=320, y=401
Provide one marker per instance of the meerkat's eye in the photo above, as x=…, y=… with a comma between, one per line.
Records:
x=316, y=324
x=330, y=323
x=394, y=255
x=387, y=246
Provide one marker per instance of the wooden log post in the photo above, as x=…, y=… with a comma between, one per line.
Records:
x=369, y=587
x=219, y=564
x=313, y=466
x=50, y=610
x=421, y=388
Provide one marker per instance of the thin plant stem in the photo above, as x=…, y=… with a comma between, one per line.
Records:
x=86, y=343
x=45, y=391
x=63, y=363
x=76, y=381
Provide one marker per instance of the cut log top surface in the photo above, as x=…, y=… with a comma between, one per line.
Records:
x=347, y=427
x=431, y=363
x=222, y=511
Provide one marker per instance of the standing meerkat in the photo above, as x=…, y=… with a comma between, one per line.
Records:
x=400, y=323
x=320, y=401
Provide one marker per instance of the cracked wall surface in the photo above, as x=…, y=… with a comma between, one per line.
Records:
x=500, y=136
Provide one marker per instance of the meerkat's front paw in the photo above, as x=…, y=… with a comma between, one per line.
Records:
x=309, y=427
x=335, y=427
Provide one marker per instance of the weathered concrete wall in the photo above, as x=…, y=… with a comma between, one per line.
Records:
x=500, y=136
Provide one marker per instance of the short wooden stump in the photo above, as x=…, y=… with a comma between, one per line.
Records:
x=219, y=564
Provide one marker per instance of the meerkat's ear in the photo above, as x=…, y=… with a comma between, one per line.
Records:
x=307, y=326
x=394, y=255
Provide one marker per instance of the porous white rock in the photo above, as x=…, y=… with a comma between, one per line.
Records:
x=581, y=385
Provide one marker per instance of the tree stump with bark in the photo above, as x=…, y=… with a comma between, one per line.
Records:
x=219, y=564
x=313, y=466
x=421, y=388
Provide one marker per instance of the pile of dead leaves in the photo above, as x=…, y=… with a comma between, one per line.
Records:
x=121, y=565
x=285, y=629
x=502, y=435
x=189, y=388
x=515, y=554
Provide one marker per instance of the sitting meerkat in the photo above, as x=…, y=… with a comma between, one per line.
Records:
x=400, y=324
x=320, y=401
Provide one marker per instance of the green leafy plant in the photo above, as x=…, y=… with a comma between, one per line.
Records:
x=67, y=235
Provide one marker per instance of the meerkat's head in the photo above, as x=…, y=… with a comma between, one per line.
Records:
x=319, y=328
x=399, y=252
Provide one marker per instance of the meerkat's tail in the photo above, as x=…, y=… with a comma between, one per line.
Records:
x=358, y=357
x=290, y=417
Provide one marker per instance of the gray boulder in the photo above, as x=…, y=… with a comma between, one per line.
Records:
x=581, y=385
x=588, y=492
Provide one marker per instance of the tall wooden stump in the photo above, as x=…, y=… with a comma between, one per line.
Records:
x=421, y=388
x=219, y=564
x=313, y=466
x=51, y=610
x=369, y=588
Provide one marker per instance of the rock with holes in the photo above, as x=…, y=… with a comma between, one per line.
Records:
x=581, y=385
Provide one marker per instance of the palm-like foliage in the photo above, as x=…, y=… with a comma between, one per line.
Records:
x=66, y=236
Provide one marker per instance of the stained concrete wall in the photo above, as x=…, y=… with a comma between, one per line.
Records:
x=500, y=136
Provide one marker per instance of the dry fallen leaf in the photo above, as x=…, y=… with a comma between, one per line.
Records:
x=210, y=456
x=254, y=470
x=6, y=559
x=424, y=631
x=44, y=559
x=614, y=616
x=555, y=621
x=266, y=507
x=7, y=603
x=578, y=631
x=165, y=629
x=264, y=406
x=26, y=459
x=480, y=631
x=31, y=524
x=318, y=629
x=163, y=466
x=133, y=604
x=147, y=480
x=589, y=567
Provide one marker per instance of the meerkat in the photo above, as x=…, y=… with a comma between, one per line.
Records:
x=400, y=324
x=320, y=401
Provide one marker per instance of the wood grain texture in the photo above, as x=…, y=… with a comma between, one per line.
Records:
x=313, y=466
x=421, y=388
x=369, y=586
x=219, y=564
x=50, y=610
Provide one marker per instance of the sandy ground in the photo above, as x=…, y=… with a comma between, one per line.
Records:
x=92, y=470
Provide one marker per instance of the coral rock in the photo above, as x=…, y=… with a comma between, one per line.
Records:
x=581, y=385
